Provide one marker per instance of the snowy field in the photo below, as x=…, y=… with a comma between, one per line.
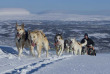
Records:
x=99, y=31
x=83, y=64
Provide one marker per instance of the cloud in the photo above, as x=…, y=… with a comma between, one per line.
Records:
x=13, y=11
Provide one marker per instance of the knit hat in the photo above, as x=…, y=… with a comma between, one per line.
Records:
x=85, y=34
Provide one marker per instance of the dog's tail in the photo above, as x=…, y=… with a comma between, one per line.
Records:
x=42, y=33
x=85, y=43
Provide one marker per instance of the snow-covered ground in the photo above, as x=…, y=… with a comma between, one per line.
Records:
x=79, y=65
x=10, y=63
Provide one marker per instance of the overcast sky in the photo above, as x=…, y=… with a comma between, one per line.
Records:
x=78, y=6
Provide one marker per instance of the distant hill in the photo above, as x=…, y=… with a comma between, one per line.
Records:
x=22, y=14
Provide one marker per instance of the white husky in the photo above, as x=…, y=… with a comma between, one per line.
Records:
x=77, y=46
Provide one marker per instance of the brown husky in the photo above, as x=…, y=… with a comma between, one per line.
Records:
x=38, y=39
x=21, y=38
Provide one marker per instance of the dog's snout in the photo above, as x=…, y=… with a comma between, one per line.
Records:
x=18, y=33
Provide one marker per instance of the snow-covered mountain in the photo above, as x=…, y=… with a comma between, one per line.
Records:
x=22, y=14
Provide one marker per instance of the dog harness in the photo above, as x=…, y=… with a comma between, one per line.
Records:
x=26, y=35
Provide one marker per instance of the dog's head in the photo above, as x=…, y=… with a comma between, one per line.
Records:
x=58, y=38
x=32, y=36
x=67, y=43
x=19, y=30
x=73, y=40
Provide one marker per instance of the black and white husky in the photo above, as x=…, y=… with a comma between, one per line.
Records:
x=67, y=45
x=59, y=44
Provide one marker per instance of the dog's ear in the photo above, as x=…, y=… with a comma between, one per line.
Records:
x=16, y=24
x=61, y=37
x=22, y=25
x=59, y=33
x=56, y=33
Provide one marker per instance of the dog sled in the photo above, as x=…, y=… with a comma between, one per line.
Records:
x=91, y=51
x=88, y=50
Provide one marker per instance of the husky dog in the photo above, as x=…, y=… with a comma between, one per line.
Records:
x=59, y=44
x=21, y=38
x=84, y=50
x=77, y=46
x=67, y=45
x=38, y=39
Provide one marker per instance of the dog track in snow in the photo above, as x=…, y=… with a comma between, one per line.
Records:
x=33, y=67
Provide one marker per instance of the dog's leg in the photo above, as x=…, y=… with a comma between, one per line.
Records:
x=32, y=50
x=80, y=51
x=46, y=53
x=23, y=45
x=75, y=52
x=19, y=49
x=56, y=50
x=39, y=50
x=68, y=50
x=61, y=51
x=71, y=51
x=19, y=52
x=46, y=46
